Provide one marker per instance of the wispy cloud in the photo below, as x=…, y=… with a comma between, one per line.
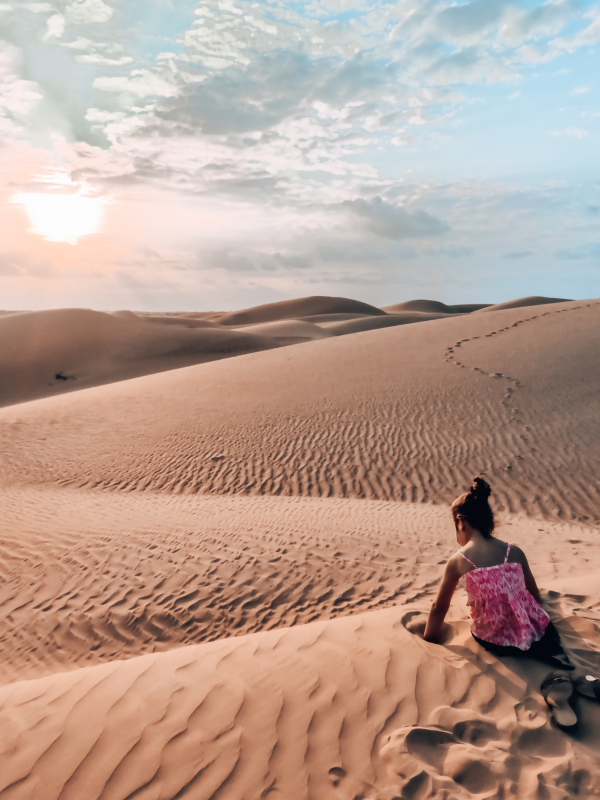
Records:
x=572, y=133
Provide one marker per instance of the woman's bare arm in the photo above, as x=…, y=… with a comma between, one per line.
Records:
x=441, y=604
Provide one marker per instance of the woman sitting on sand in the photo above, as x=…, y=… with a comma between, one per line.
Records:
x=507, y=617
x=506, y=611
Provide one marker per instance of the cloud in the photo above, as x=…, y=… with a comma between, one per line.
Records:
x=588, y=36
x=395, y=222
x=103, y=61
x=543, y=20
x=452, y=251
x=470, y=65
x=88, y=12
x=581, y=90
x=18, y=97
x=591, y=250
x=516, y=254
x=572, y=133
x=55, y=27
x=141, y=83
x=459, y=23
x=19, y=264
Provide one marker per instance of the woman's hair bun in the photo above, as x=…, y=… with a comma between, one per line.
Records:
x=480, y=489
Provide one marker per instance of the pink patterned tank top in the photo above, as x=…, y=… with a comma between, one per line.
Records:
x=502, y=610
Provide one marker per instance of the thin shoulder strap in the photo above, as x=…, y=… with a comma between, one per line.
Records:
x=467, y=559
x=507, y=553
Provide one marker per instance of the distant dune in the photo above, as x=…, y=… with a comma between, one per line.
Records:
x=432, y=307
x=302, y=307
x=46, y=353
x=524, y=302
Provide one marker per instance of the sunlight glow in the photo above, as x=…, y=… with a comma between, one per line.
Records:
x=62, y=217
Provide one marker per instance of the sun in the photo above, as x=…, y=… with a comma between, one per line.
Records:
x=62, y=217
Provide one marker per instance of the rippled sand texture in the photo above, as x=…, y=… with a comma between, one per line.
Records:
x=87, y=578
x=409, y=413
x=355, y=708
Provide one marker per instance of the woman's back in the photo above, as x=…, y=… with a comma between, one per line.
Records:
x=502, y=610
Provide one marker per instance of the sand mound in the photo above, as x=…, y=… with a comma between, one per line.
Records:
x=90, y=577
x=432, y=307
x=524, y=302
x=406, y=413
x=63, y=350
x=58, y=351
x=375, y=323
x=298, y=307
x=289, y=329
x=357, y=707
x=179, y=320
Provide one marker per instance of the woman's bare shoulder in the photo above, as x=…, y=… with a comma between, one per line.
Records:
x=457, y=564
x=516, y=554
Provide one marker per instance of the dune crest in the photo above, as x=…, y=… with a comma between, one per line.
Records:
x=300, y=307
x=525, y=302
x=433, y=307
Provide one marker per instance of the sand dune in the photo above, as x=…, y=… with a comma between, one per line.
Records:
x=90, y=577
x=372, y=324
x=432, y=307
x=290, y=328
x=524, y=302
x=45, y=353
x=357, y=707
x=292, y=309
x=406, y=413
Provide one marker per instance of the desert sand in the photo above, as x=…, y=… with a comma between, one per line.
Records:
x=208, y=571
x=45, y=353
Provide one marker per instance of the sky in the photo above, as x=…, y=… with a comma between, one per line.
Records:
x=169, y=155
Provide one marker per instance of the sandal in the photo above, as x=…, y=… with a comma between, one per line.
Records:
x=558, y=692
x=588, y=686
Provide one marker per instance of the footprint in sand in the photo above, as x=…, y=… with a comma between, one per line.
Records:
x=459, y=751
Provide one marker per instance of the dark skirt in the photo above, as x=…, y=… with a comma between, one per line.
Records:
x=548, y=649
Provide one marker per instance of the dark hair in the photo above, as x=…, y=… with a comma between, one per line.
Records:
x=474, y=507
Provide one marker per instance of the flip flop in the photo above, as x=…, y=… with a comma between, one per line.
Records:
x=588, y=686
x=558, y=691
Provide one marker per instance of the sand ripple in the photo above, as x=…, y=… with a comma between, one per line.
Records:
x=87, y=577
x=407, y=413
x=352, y=708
